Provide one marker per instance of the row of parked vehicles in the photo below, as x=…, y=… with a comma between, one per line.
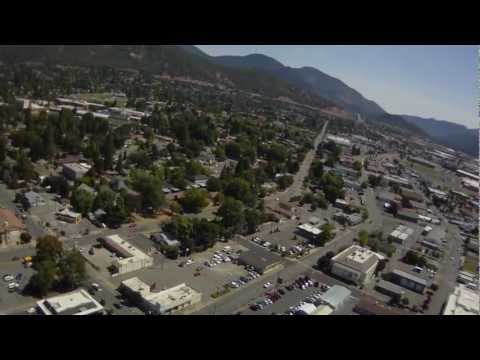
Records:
x=243, y=280
x=225, y=255
x=13, y=282
x=301, y=283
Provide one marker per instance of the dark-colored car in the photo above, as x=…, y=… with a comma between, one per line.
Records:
x=281, y=291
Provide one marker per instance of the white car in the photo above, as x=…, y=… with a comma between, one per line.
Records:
x=189, y=262
x=8, y=278
x=267, y=285
x=13, y=285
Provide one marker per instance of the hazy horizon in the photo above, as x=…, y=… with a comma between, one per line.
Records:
x=428, y=81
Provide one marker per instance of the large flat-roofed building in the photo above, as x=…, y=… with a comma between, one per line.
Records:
x=75, y=171
x=389, y=289
x=463, y=301
x=467, y=174
x=355, y=264
x=339, y=140
x=160, y=303
x=470, y=184
x=412, y=195
x=393, y=179
x=310, y=231
x=408, y=215
x=409, y=281
x=78, y=302
x=130, y=258
x=422, y=161
x=259, y=258
x=336, y=296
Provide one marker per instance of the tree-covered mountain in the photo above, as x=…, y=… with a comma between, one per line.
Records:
x=450, y=134
x=180, y=61
x=309, y=78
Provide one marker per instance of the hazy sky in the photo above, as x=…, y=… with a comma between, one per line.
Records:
x=423, y=80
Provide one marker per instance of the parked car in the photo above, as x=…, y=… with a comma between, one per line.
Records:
x=8, y=278
x=267, y=285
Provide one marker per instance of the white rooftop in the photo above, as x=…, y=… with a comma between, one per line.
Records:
x=129, y=248
x=75, y=303
x=310, y=229
x=463, y=301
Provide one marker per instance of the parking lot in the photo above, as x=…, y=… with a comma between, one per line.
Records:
x=12, y=300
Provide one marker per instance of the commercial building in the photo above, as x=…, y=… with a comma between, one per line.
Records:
x=407, y=215
x=336, y=296
x=31, y=199
x=165, y=302
x=78, y=302
x=339, y=140
x=11, y=227
x=355, y=264
x=467, y=174
x=409, y=281
x=259, y=258
x=130, y=258
x=401, y=234
x=463, y=301
x=423, y=162
x=309, y=231
x=412, y=195
x=75, y=171
x=69, y=216
x=393, y=179
x=390, y=289
x=388, y=197
x=470, y=184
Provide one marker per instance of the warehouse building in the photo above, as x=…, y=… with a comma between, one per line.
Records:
x=336, y=296
x=260, y=259
x=412, y=195
x=309, y=231
x=409, y=281
x=390, y=289
x=339, y=140
x=130, y=258
x=407, y=215
x=355, y=264
x=78, y=302
x=165, y=302
x=423, y=162
x=464, y=173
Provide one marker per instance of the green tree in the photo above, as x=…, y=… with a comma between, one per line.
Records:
x=231, y=212
x=3, y=148
x=194, y=200
x=82, y=201
x=357, y=165
x=43, y=280
x=72, y=270
x=214, y=184
x=150, y=188
x=363, y=238
x=206, y=233
x=48, y=248
x=284, y=182
x=327, y=234
x=253, y=218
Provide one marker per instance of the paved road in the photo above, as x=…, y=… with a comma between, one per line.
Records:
x=296, y=188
